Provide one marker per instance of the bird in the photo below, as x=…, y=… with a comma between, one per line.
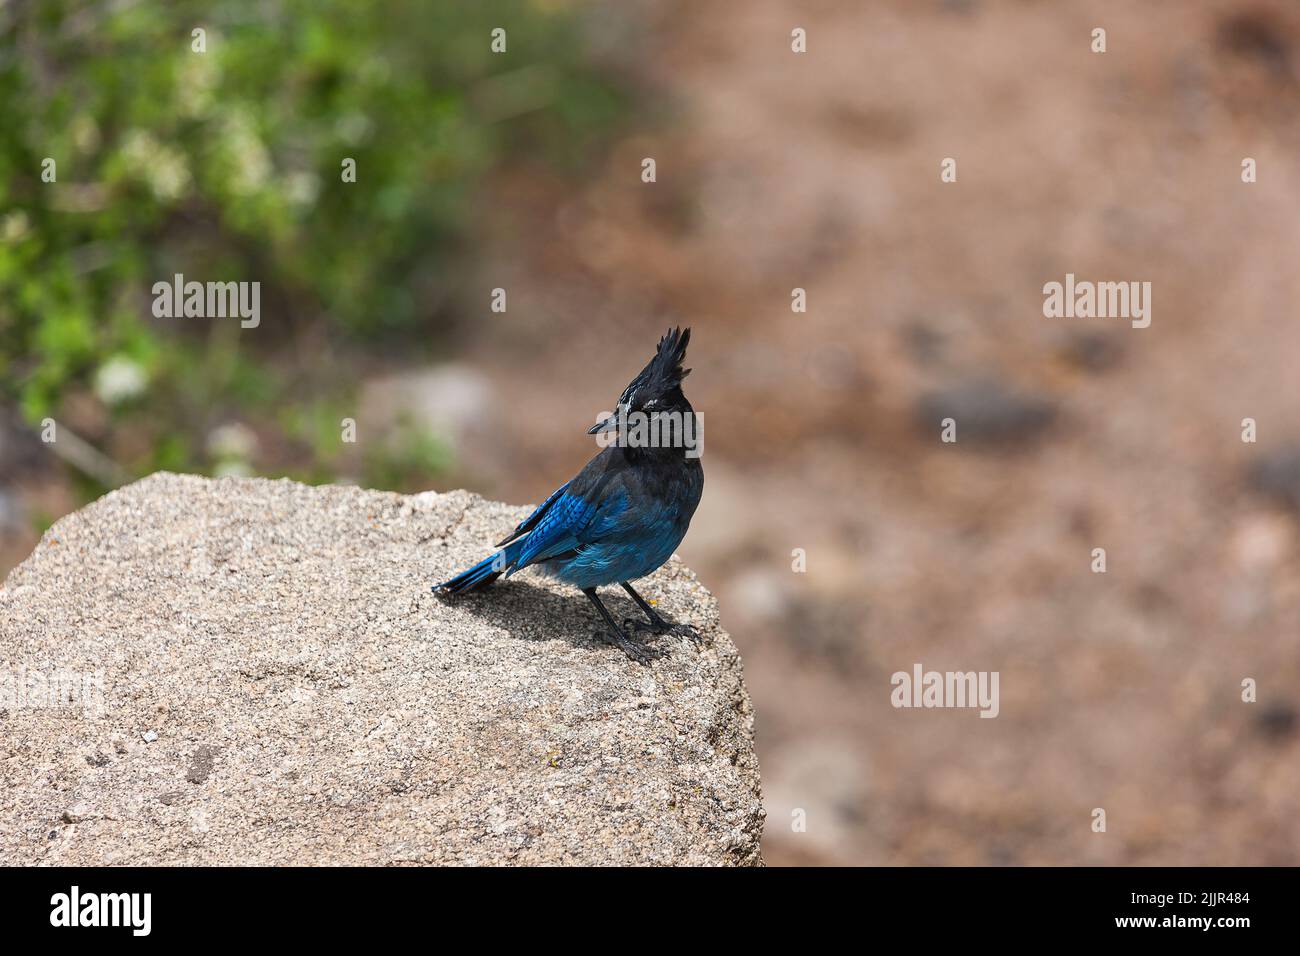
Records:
x=624, y=514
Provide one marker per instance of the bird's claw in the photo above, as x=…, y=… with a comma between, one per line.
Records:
x=641, y=653
x=664, y=627
x=685, y=630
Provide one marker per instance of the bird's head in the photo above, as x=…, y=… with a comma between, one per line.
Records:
x=659, y=386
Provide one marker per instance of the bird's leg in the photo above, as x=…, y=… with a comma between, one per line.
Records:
x=638, y=652
x=657, y=623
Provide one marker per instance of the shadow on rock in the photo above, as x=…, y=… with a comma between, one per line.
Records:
x=530, y=612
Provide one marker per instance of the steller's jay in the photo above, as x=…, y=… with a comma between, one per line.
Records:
x=625, y=512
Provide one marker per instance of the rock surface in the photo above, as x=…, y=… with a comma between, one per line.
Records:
x=255, y=672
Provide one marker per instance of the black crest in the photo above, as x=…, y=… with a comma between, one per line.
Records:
x=663, y=374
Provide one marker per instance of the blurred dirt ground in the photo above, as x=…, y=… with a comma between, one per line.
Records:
x=821, y=171
x=1119, y=690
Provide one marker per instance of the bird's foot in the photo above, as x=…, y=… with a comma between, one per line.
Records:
x=641, y=653
x=664, y=627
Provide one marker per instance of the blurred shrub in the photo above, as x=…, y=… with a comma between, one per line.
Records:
x=226, y=165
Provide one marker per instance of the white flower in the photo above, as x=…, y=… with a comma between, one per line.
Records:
x=14, y=226
x=119, y=379
x=302, y=188
x=246, y=152
x=232, y=441
x=163, y=167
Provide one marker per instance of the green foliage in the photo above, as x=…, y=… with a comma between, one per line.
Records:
x=408, y=454
x=226, y=165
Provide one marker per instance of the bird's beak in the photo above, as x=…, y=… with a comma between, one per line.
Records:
x=608, y=424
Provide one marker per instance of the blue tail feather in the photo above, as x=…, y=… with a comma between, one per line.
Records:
x=482, y=574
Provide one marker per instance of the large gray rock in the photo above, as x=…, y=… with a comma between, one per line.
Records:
x=255, y=672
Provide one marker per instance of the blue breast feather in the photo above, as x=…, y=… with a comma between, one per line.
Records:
x=619, y=544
